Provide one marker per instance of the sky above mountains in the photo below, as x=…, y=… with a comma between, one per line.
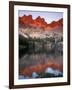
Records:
x=48, y=16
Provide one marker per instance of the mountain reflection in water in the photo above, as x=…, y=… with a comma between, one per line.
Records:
x=37, y=63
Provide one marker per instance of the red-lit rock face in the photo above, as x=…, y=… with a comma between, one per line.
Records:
x=25, y=20
x=39, y=22
x=57, y=24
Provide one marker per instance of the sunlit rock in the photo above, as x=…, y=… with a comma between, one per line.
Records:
x=52, y=71
x=49, y=70
x=34, y=75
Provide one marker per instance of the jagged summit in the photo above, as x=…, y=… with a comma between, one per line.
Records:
x=27, y=20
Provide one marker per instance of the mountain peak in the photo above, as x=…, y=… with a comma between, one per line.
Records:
x=40, y=19
x=27, y=20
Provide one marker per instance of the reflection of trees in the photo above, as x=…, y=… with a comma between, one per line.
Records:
x=40, y=45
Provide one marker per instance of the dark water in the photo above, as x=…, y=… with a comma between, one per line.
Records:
x=40, y=64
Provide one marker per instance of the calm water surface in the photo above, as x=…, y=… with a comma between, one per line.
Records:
x=34, y=63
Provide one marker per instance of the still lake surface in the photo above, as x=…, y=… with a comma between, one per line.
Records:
x=32, y=64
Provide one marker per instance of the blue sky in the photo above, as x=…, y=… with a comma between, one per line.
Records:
x=48, y=16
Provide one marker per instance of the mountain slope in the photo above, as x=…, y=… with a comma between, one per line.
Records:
x=26, y=21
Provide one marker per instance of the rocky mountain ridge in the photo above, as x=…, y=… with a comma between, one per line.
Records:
x=39, y=22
